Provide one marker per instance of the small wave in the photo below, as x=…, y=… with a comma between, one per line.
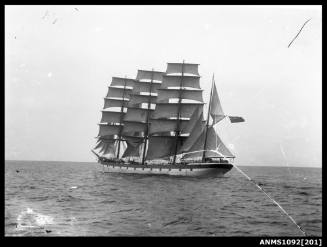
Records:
x=307, y=188
x=123, y=210
x=287, y=186
x=108, y=202
x=279, y=223
x=31, y=219
x=68, y=198
x=197, y=228
x=180, y=220
x=311, y=221
x=304, y=193
x=138, y=209
x=256, y=222
x=174, y=222
x=40, y=198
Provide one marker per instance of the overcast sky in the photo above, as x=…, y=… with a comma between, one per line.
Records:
x=59, y=61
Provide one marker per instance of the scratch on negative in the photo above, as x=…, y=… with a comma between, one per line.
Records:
x=298, y=33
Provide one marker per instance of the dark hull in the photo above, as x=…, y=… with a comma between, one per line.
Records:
x=190, y=169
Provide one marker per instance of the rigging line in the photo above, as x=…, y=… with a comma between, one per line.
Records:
x=274, y=201
x=298, y=33
x=198, y=151
x=184, y=153
x=217, y=147
x=215, y=129
x=95, y=153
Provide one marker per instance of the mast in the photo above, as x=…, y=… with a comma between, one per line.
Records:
x=177, y=133
x=112, y=113
x=121, y=119
x=147, y=120
x=207, y=125
x=136, y=121
x=179, y=96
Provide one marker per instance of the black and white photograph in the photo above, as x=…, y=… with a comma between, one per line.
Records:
x=163, y=121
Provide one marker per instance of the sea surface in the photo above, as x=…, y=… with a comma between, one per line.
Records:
x=77, y=199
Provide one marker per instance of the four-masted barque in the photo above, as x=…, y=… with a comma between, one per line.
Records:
x=154, y=124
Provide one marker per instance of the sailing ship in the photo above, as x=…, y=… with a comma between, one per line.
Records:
x=154, y=124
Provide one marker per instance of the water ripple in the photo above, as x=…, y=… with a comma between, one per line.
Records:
x=77, y=199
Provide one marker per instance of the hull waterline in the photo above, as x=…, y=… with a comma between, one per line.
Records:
x=191, y=169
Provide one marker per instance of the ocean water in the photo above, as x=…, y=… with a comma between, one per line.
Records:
x=76, y=199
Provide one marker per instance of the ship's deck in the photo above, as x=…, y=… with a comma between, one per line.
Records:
x=169, y=166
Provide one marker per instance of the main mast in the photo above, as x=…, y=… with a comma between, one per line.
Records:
x=207, y=124
x=141, y=105
x=179, y=95
x=121, y=119
x=177, y=133
x=146, y=134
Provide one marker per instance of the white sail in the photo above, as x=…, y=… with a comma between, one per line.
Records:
x=111, y=116
x=140, y=86
x=213, y=143
x=162, y=115
x=109, y=150
x=170, y=110
x=119, y=81
x=98, y=144
x=168, y=93
x=162, y=147
x=107, y=138
x=139, y=99
x=105, y=130
x=197, y=114
x=119, y=92
x=186, y=68
x=163, y=125
x=178, y=81
x=136, y=114
x=133, y=146
x=115, y=102
x=141, y=105
x=121, y=146
x=106, y=147
x=131, y=127
x=102, y=147
x=196, y=131
x=216, y=110
x=147, y=75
